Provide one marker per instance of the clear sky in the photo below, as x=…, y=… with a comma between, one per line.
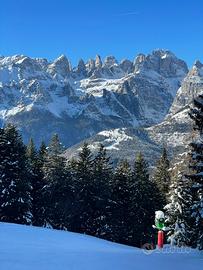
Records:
x=84, y=28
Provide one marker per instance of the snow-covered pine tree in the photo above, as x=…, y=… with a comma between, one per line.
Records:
x=57, y=189
x=83, y=206
x=42, y=152
x=15, y=188
x=35, y=164
x=178, y=214
x=145, y=199
x=162, y=174
x=121, y=198
x=102, y=179
x=196, y=175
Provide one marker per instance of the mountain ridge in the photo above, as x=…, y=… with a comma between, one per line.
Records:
x=42, y=98
x=175, y=131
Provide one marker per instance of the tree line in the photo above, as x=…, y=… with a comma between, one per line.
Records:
x=184, y=208
x=89, y=195
x=85, y=195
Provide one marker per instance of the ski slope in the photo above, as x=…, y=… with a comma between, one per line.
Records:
x=31, y=248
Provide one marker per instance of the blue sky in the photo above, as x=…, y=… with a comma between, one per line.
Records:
x=48, y=28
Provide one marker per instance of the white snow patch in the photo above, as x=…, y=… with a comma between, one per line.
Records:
x=115, y=137
x=96, y=87
x=24, y=247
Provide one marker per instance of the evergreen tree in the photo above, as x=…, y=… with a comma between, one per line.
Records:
x=178, y=214
x=196, y=172
x=57, y=189
x=55, y=147
x=121, y=206
x=42, y=153
x=83, y=207
x=102, y=176
x=145, y=199
x=178, y=209
x=162, y=174
x=15, y=199
x=35, y=164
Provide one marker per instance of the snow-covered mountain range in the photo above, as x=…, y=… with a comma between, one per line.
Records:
x=174, y=131
x=43, y=98
x=126, y=105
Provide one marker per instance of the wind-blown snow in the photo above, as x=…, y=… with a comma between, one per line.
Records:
x=31, y=248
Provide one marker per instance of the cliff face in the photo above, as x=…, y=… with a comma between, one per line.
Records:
x=175, y=131
x=43, y=98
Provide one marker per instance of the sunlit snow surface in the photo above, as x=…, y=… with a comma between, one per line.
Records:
x=30, y=248
x=114, y=137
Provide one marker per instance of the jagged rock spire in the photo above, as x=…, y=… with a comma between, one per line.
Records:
x=63, y=61
x=139, y=59
x=61, y=65
x=110, y=61
x=81, y=68
x=98, y=61
x=126, y=65
x=91, y=64
x=198, y=64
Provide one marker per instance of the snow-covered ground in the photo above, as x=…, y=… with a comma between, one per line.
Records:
x=114, y=137
x=30, y=248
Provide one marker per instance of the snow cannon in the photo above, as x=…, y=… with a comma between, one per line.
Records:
x=159, y=220
x=160, y=225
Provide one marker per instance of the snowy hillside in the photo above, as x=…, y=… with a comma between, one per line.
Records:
x=43, y=97
x=30, y=248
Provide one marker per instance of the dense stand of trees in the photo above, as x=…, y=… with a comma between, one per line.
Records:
x=185, y=200
x=87, y=195
x=162, y=175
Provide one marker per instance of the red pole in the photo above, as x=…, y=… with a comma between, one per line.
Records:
x=160, y=239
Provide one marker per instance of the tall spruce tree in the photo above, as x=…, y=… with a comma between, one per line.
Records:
x=121, y=203
x=145, y=199
x=83, y=206
x=15, y=188
x=196, y=174
x=35, y=164
x=178, y=213
x=102, y=176
x=162, y=174
x=42, y=152
x=57, y=189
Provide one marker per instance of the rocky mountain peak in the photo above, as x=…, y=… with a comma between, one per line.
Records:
x=198, y=64
x=20, y=67
x=61, y=66
x=62, y=60
x=163, y=62
x=98, y=61
x=197, y=70
x=93, y=96
x=140, y=58
x=81, y=68
x=161, y=53
x=126, y=65
x=90, y=65
x=27, y=63
x=110, y=61
x=192, y=86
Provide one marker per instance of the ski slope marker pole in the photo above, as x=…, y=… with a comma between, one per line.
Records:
x=160, y=239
